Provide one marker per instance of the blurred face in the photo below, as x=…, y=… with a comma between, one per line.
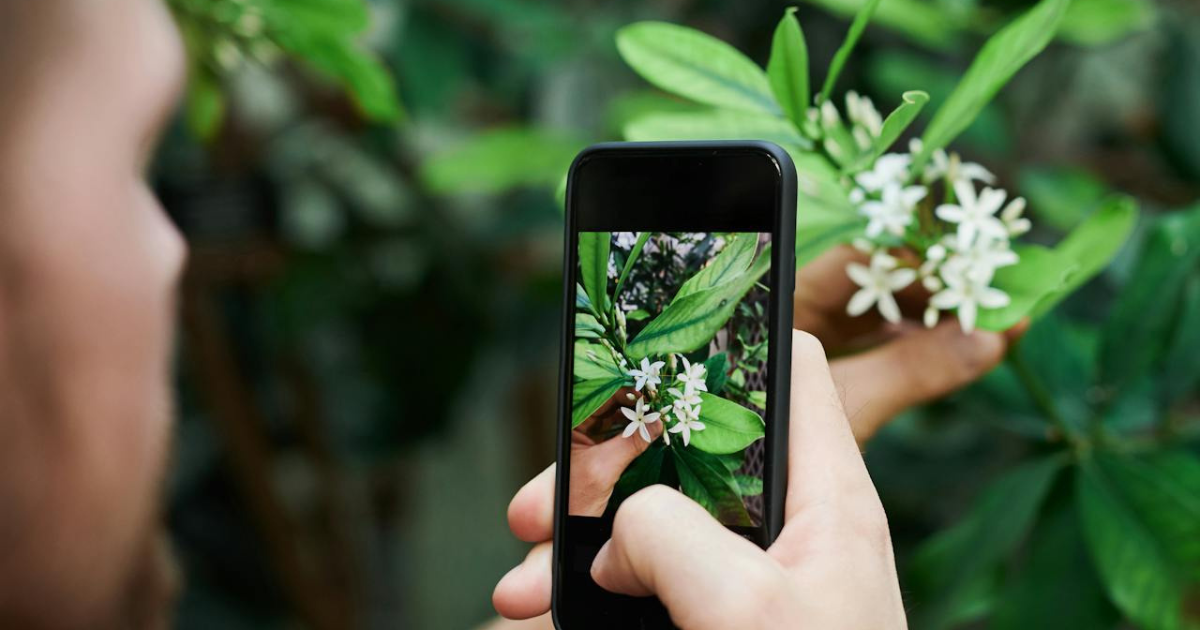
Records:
x=88, y=266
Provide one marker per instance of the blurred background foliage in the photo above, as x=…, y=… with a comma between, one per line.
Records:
x=369, y=346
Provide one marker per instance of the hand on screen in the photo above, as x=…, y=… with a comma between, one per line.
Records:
x=906, y=364
x=597, y=464
x=832, y=566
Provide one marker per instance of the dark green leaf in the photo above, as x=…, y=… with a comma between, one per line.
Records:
x=593, y=266
x=749, y=486
x=708, y=482
x=1142, y=523
x=728, y=426
x=843, y=53
x=695, y=65
x=1039, y=278
x=629, y=262
x=588, y=396
x=690, y=322
x=1001, y=57
x=715, y=373
x=645, y=471
x=1181, y=364
x=950, y=569
x=787, y=68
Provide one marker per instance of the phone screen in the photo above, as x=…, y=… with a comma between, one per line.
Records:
x=672, y=330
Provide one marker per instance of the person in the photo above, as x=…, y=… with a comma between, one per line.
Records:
x=89, y=265
x=832, y=566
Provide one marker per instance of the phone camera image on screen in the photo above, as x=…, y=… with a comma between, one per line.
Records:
x=669, y=375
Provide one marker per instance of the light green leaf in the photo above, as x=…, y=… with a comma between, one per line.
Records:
x=500, y=160
x=1093, y=244
x=594, y=361
x=749, y=486
x=708, y=482
x=949, y=569
x=1142, y=523
x=843, y=53
x=1061, y=196
x=690, y=322
x=1001, y=57
x=356, y=69
x=1099, y=22
x=824, y=215
x=787, y=69
x=588, y=396
x=758, y=398
x=697, y=66
x=1040, y=278
x=730, y=264
x=593, y=266
x=894, y=125
x=728, y=426
x=1139, y=323
x=927, y=23
x=586, y=326
x=717, y=124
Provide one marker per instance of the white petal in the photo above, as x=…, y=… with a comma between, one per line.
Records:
x=949, y=213
x=1013, y=210
x=993, y=298
x=687, y=434
x=860, y=302
x=677, y=428
x=859, y=274
x=697, y=425
x=901, y=278
x=651, y=417
x=931, y=317
x=946, y=299
x=645, y=433
x=630, y=428
x=965, y=191
x=888, y=307
x=932, y=284
x=966, y=315
x=628, y=413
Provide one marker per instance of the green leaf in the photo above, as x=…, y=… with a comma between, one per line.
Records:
x=1039, y=278
x=1001, y=57
x=697, y=66
x=949, y=570
x=588, y=396
x=1139, y=323
x=645, y=471
x=715, y=372
x=690, y=323
x=1142, y=523
x=1061, y=196
x=1057, y=587
x=500, y=160
x=730, y=264
x=1181, y=364
x=1099, y=22
x=824, y=215
x=708, y=482
x=629, y=262
x=1093, y=245
x=927, y=23
x=787, y=69
x=594, y=362
x=717, y=124
x=728, y=426
x=893, y=126
x=587, y=327
x=357, y=70
x=748, y=486
x=843, y=53
x=593, y=266
x=758, y=398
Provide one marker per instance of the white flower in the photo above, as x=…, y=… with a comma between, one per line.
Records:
x=684, y=400
x=1011, y=216
x=648, y=375
x=968, y=295
x=890, y=168
x=626, y=240
x=931, y=316
x=692, y=376
x=638, y=419
x=942, y=165
x=974, y=214
x=981, y=259
x=878, y=282
x=687, y=422
x=866, y=122
x=894, y=212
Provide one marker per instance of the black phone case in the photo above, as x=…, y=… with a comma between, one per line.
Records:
x=784, y=274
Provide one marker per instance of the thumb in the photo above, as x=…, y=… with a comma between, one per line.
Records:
x=915, y=368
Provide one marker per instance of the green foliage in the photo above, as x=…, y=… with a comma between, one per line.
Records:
x=1061, y=197
x=590, y=395
x=1001, y=57
x=714, y=125
x=500, y=160
x=788, y=68
x=729, y=427
x=706, y=480
x=843, y=53
x=1099, y=22
x=1039, y=278
x=593, y=263
x=924, y=22
x=894, y=125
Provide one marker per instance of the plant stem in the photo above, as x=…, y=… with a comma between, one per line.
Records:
x=1037, y=391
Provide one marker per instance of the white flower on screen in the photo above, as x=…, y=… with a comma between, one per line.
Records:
x=974, y=214
x=647, y=375
x=692, y=376
x=967, y=295
x=891, y=168
x=893, y=213
x=686, y=399
x=638, y=419
x=878, y=281
x=625, y=240
x=688, y=421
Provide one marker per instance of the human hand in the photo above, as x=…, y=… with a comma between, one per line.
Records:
x=598, y=458
x=893, y=366
x=831, y=566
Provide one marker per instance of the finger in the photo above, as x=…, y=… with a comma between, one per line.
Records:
x=608, y=459
x=531, y=511
x=824, y=463
x=920, y=366
x=665, y=544
x=524, y=591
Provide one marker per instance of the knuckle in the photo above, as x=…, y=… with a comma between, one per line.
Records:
x=643, y=508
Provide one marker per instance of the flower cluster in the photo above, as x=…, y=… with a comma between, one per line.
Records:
x=942, y=224
x=680, y=407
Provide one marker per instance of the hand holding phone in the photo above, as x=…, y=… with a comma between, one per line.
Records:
x=831, y=566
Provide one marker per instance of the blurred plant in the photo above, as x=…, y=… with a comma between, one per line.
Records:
x=685, y=394
x=223, y=35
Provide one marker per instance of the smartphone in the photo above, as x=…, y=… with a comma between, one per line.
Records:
x=678, y=277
